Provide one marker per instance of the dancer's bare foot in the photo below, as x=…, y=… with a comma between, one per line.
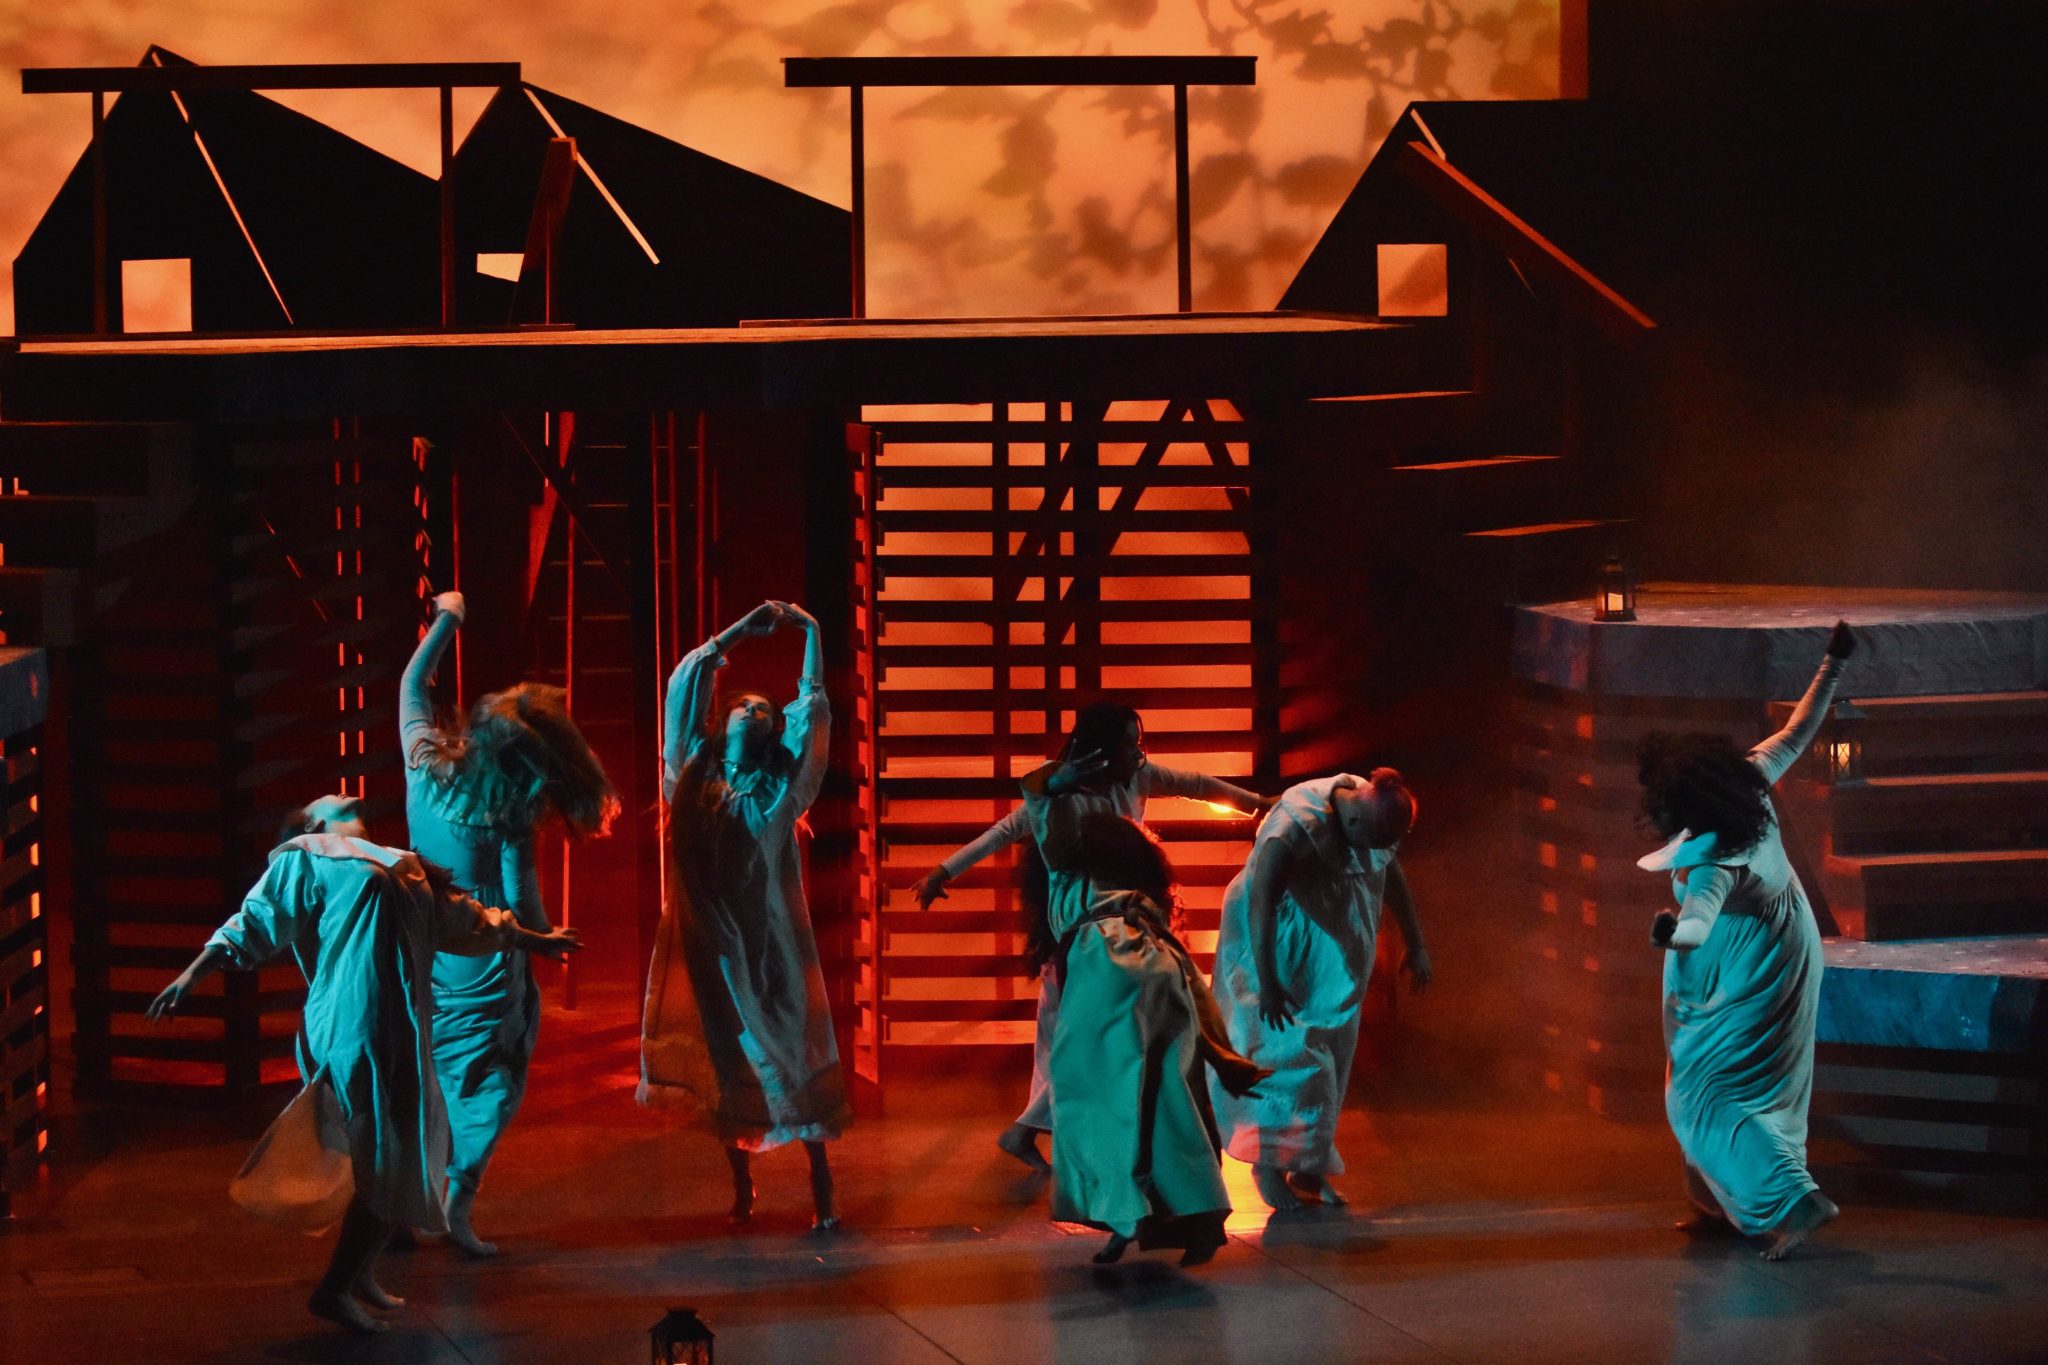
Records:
x=375, y=1295
x=1112, y=1250
x=1316, y=1189
x=461, y=1199
x=1812, y=1213
x=1271, y=1183
x=342, y=1309
x=1195, y=1256
x=825, y=1222
x=742, y=1210
x=1022, y=1142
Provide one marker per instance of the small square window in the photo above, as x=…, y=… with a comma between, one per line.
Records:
x=156, y=295
x=1414, y=280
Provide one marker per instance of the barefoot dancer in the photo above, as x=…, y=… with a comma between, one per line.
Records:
x=1122, y=782
x=1134, y=1153
x=474, y=801
x=1742, y=983
x=737, y=1023
x=1296, y=948
x=364, y=922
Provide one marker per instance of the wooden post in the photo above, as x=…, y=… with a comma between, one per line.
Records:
x=860, y=206
x=99, y=213
x=1183, y=230
x=447, y=206
x=643, y=786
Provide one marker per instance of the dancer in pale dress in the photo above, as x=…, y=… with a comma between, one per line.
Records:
x=363, y=922
x=737, y=1026
x=1134, y=1151
x=1123, y=781
x=476, y=798
x=1742, y=981
x=1293, y=957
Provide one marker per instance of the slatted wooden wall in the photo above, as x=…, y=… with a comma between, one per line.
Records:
x=246, y=661
x=1016, y=561
x=24, y=940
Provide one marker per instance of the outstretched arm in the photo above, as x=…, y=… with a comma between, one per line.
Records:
x=415, y=706
x=1266, y=876
x=1706, y=891
x=1012, y=828
x=1164, y=781
x=1776, y=755
x=807, y=722
x=1414, y=954
x=470, y=928
x=272, y=915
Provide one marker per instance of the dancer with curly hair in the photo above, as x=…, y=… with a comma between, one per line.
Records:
x=1742, y=979
x=476, y=798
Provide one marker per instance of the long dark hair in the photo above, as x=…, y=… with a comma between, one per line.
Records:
x=521, y=758
x=1115, y=853
x=1102, y=727
x=1702, y=783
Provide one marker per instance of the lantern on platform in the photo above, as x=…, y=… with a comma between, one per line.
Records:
x=681, y=1338
x=1614, y=599
x=1842, y=744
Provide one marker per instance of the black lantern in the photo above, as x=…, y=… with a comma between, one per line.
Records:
x=1842, y=744
x=1614, y=599
x=681, y=1338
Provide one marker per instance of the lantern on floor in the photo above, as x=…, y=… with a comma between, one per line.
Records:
x=681, y=1338
x=1842, y=744
x=1614, y=599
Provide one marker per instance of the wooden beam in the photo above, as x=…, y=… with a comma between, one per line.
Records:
x=82, y=80
x=812, y=72
x=1536, y=254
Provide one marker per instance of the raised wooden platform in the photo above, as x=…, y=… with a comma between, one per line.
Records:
x=274, y=378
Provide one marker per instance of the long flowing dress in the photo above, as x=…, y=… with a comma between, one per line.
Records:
x=1740, y=1009
x=363, y=923
x=486, y=1009
x=737, y=1026
x=1326, y=923
x=1130, y=800
x=1133, y=1152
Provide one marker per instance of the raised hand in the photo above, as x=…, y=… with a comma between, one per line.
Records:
x=451, y=603
x=762, y=620
x=1663, y=927
x=932, y=888
x=1076, y=771
x=1842, y=643
x=794, y=615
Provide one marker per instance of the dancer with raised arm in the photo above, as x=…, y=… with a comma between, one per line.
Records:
x=364, y=922
x=1133, y=1150
x=1122, y=781
x=1293, y=957
x=1742, y=979
x=476, y=798
x=737, y=1025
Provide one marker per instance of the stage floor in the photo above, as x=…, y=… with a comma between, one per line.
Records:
x=1481, y=1231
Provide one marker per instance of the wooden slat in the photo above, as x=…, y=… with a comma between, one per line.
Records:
x=82, y=80
x=844, y=72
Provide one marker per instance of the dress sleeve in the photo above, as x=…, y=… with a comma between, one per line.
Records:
x=1775, y=756
x=685, y=707
x=273, y=914
x=519, y=876
x=1706, y=891
x=1164, y=781
x=1012, y=828
x=807, y=734
x=467, y=927
x=415, y=707
x=1054, y=820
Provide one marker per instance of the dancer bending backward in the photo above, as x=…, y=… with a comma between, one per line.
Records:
x=1133, y=1149
x=1121, y=780
x=1742, y=982
x=475, y=798
x=1293, y=957
x=364, y=921
x=737, y=1024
